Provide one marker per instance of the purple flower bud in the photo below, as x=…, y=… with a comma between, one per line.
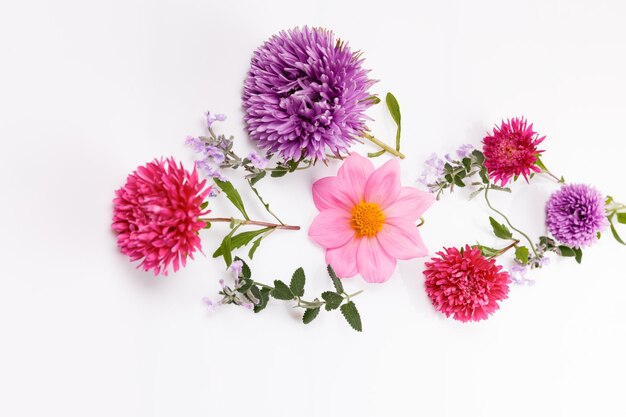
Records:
x=257, y=160
x=211, y=118
x=236, y=267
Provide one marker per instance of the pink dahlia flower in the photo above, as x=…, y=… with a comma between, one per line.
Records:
x=464, y=284
x=367, y=219
x=156, y=215
x=511, y=151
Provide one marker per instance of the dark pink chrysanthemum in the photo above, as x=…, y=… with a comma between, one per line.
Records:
x=464, y=284
x=511, y=150
x=306, y=94
x=156, y=215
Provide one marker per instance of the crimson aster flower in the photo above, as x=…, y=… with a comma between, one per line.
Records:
x=464, y=284
x=575, y=214
x=367, y=219
x=306, y=94
x=511, y=150
x=156, y=215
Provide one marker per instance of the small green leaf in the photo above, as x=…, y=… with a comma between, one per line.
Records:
x=245, y=269
x=483, y=175
x=500, y=230
x=257, y=177
x=297, y=282
x=540, y=164
x=227, y=249
x=599, y=235
x=467, y=164
x=233, y=195
x=394, y=110
x=478, y=156
x=459, y=182
x=293, y=165
x=204, y=205
x=498, y=188
x=254, y=247
x=281, y=291
x=265, y=296
x=566, y=251
x=375, y=154
x=279, y=173
x=239, y=240
x=621, y=218
x=615, y=235
x=336, y=281
x=578, y=253
x=310, y=314
x=333, y=300
x=521, y=254
x=486, y=250
x=352, y=316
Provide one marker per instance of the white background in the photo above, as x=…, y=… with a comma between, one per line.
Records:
x=90, y=90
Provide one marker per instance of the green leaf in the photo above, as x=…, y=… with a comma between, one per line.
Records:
x=265, y=296
x=278, y=174
x=246, y=285
x=500, y=230
x=578, y=253
x=352, y=316
x=333, y=300
x=483, y=175
x=245, y=269
x=375, y=154
x=204, y=205
x=254, y=247
x=540, y=164
x=293, y=165
x=459, y=182
x=254, y=295
x=336, y=281
x=467, y=164
x=257, y=177
x=310, y=314
x=394, y=110
x=621, y=218
x=521, y=254
x=478, y=156
x=566, y=251
x=227, y=249
x=498, y=188
x=281, y=291
x=233, y=195
x=486, y=250
x=297, y=282
x=239, y=240
x=615, y=235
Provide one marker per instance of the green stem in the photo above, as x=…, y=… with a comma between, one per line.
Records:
x=505, y=249
x=241, y=222
x=530, y=242
x=383, y=146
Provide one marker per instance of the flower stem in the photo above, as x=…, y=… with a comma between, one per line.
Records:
x=505, y=249
x=309, y=304
x=267, y=206
x=383, y=146
x=530, y=242
x=248, y=222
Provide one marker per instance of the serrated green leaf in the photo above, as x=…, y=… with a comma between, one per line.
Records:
x=233, y=195
x=615, y=235
x=293, y=165
x=297, y=282
x=578, y=254
x=621, y=218
x=352, y=316
x=479, y=157
x=245, y=269
x=239, y=240
x=394, y=110
x=254, y=247
x=265, y=296
x=499, y=229
x=467, y=164
x=333, y=300
x=281, y=291
x=566, y=251
x=521, y=254
x=310, y=314
x=335, y=279
x=258, y=177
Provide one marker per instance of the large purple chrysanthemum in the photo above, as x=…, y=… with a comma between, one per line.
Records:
x=306, y=94
x=575, y=214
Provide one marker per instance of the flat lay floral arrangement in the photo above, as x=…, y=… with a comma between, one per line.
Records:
x=306, y=97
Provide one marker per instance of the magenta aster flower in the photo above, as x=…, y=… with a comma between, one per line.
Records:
x=464, y=284
x=367, y=219
x=575, y=214
x=155, y=215
x=306, y=94
x=511, y=150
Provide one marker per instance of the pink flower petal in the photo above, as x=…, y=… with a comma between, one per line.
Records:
x=383, y=186
x=355, y=170
x=401, y=239
x=343, y=259
x=331, y=228
x=372, y=261
x=411, y=204
x=333, y=192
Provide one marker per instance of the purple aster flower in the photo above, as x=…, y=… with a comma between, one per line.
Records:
x=575, y=214
x=257, y=160
x=306, y=93
x=213, y=118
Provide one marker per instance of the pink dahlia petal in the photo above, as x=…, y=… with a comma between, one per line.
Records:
x=401, y=239
x=343, y=259
x=331, y=228
x=373, y=263
x=383, y=186
x=333, y=192
x=355, y=171
x=411, y=204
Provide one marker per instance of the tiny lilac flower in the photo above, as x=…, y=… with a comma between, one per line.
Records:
x=210, y=119
x=196, y=144
x=464, y=150
x=518, y=274
x=209, y=170
x=210, y=304
x=236, y=268
x=249, y=306
x=214, y=153
x=257, y=160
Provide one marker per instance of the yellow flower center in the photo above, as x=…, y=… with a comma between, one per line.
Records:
x=367, y=219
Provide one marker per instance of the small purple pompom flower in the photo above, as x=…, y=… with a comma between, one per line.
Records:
x=306, y=94
x=575, y=214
